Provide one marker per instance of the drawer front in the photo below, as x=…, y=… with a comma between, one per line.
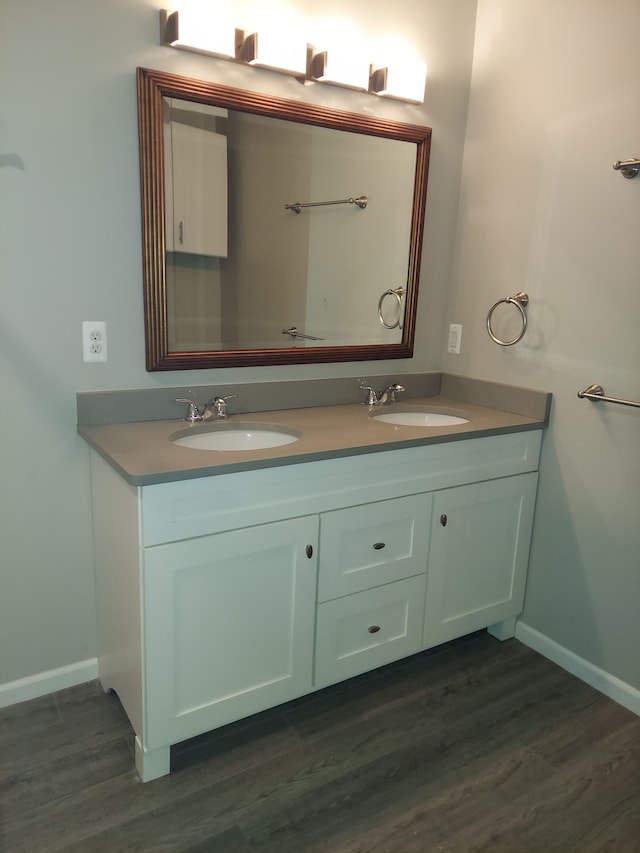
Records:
x=369, y=629
x=378, y=543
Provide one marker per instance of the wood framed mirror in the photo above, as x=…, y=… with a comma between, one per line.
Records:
x=273, y=231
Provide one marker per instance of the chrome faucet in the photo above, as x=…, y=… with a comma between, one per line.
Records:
x=215, y=409
x=379, y=398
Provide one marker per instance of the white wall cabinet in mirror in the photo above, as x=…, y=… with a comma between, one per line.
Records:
x=195, y=180
x=234, y=275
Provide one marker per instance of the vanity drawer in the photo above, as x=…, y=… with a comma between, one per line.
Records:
x=365, y=546
x=369, y=629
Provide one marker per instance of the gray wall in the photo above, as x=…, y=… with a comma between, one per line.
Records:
x=70, y=250
x=552, y=107
x=553, y=104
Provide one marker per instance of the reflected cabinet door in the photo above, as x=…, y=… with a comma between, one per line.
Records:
x=197, y=206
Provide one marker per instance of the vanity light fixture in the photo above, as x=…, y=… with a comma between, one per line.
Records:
x=404, y=81
x=269, y=49
x=339, y=69
x=187, y=31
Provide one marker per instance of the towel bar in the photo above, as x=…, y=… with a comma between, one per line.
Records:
x=596, y=393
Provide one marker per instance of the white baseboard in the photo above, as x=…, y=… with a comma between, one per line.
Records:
x=621, y=692
x=48, y=682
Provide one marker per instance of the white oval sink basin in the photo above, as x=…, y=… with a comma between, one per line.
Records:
x=420, y=419
x=235, y=437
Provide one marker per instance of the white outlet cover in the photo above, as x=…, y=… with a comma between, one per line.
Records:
x=455, y=335
x=94, y=340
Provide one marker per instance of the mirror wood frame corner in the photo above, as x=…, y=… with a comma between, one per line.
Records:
x=155, y=86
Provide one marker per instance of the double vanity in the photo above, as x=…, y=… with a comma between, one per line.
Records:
x=247, y=561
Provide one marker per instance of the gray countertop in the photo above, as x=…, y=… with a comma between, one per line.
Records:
x=143, y=452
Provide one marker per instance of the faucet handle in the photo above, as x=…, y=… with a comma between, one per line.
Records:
x=219, y=405
x=393, y=389
x=372, y=397
x=194, y=413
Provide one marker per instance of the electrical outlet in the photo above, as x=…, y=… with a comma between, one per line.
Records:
x=455, y=334
x=94, y=340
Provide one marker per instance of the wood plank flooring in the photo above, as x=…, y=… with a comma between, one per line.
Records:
x=476, y=745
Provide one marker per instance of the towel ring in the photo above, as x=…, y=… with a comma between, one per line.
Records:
x=399, y=293
x=520, y=300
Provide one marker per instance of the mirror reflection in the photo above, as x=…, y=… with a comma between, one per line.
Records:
x=275, y=232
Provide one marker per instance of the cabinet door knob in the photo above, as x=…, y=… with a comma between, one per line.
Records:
x=378, y=545
x=443, y=519
x=373, y=629
x=309, y=551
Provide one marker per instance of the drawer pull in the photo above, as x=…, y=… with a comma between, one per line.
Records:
x=373, y=629
x=309, y=551
x=443, y=519
x=379, y=546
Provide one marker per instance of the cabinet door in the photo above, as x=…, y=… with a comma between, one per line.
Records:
x=228, y=626
x=478, y=556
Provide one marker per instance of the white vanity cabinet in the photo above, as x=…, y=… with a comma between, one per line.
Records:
x=221, y=596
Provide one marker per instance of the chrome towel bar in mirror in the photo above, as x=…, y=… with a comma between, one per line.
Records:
x=294, y=332
x=361, y=201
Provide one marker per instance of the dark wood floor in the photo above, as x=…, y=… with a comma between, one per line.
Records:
x=477, y=745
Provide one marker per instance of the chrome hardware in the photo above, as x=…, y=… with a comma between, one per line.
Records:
x=372, y=398
x=520, y=300
x=596, y=394
x=219, y=405
x=392, y=390
x=361, y=201
x=215, y=408
x=379, y=398
x=296, y=333
x=194, y=414
x=373, y=629
x=628, y=168
x=399, y=293
x=443, y=519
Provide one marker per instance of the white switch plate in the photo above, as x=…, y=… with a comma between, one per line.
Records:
x=94, y=340
x=455, y=334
